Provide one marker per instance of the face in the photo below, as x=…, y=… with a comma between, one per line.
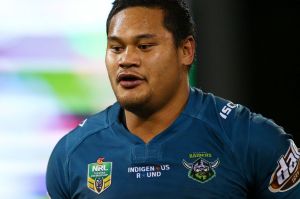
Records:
x=145, y=68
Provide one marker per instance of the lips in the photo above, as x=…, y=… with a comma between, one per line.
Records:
x=129, y=80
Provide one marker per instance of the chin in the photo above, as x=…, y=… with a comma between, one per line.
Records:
x=133, y=103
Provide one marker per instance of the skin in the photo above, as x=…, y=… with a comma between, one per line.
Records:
x=140, y=46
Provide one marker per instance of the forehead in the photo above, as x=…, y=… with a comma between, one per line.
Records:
x=137, y=20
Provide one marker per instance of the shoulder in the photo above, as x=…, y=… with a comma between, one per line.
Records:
x=221, y=115
x=250, y=132
x=94, y=124
x=267, y=156
x=211, y=108
x=240, y=128
x=236, y=120
x=265, y=153
x=57, y=180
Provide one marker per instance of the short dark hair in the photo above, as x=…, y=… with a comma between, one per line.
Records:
x=177, y=17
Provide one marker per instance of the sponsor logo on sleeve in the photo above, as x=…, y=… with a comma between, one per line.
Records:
x=99, y=176
x=287, y=174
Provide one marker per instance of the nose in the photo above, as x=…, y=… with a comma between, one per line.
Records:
x=129, y=58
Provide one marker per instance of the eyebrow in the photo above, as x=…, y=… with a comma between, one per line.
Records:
x=138, y=37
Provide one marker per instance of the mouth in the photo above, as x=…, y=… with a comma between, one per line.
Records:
x=129, y=80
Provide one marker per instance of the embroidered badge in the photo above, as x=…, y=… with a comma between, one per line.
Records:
x=287, y=174
x=99, y=175
x=201, y=170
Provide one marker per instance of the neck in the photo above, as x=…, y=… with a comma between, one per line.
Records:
x=148, y=124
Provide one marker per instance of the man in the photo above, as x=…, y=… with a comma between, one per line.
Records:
x=163, y=139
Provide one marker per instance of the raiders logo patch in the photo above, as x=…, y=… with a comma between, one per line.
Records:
x=201, y=170
x=287, y=174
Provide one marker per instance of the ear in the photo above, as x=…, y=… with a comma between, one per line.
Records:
x=188, y=51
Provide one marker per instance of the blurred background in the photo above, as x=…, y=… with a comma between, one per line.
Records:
x=52, y=75
x=249, y=52
x=52, y=72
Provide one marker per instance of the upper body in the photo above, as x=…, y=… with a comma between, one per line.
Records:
x=205, y=153
x=162, y=139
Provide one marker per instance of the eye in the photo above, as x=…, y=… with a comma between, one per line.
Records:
x=145, y=46
x=116, y=49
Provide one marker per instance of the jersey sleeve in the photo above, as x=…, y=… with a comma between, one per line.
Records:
x=56, y=176
x=273, y=161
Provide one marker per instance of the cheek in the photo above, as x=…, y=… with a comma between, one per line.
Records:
x=166, y=74
x=108, y=59
x=163, y=64
x=110, y=65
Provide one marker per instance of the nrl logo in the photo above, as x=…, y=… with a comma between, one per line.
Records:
x=201, y=170
x=99, y=175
